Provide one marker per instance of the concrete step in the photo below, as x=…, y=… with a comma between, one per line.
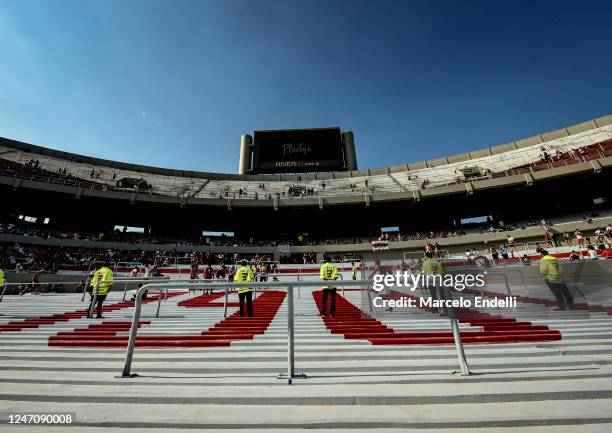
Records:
x=351, y=385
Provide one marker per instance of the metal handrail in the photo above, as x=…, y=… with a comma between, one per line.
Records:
x=506, y=280
x=298, y=276
x=129, y=354
x=87, y=281
x=125, y=280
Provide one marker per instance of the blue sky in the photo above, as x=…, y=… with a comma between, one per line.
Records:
x=175, y=83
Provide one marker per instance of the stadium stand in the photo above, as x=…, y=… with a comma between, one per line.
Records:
x=584, y=146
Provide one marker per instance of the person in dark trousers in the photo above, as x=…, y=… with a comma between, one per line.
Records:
x=245, y=294
x=432, y=266
x=329, y=272
x=553, y=275
x=102, y=283
x=354, y=270
x=1, y=278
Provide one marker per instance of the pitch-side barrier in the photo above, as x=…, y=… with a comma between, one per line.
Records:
x=289, y=287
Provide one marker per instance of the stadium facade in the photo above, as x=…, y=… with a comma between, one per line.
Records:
x=562, y=175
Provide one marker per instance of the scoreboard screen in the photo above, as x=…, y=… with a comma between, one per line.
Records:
x=297, y=151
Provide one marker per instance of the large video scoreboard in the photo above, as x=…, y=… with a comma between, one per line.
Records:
x=297, y=151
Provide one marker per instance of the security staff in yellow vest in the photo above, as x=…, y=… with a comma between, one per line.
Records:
x=245, y=274
x=1, y=278
x=354, y=269
x=553, y=275
x=432, y=266
x=101, y=283
x=329, y=272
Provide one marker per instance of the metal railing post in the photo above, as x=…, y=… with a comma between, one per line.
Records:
x=159, y=298
x=125, y=290
x=465, y=371
x=225, y=302
x=369, y=293
x=87, y=281
x=507, y=283
x=290, y=334
x=524, y=281
x=3, y=290
x=94, y=298
x=133, y=332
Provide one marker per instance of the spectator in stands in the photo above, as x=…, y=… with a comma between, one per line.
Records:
x=511, y=245
x=221, y=272
x=36, y=281
x=494, y=253
x=504, y=250
x=437, y=250
x=194, y=269
x=574, y=256
x=208, y=272
x=567, y=238
x=592, y=252
x=468, y=256
x=548, y=237
x=525, y=260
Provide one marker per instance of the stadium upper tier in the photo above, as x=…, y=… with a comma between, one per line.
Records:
x=589, y=142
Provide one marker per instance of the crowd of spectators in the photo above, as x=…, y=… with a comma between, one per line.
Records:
x=50, y=259
x=33, y=169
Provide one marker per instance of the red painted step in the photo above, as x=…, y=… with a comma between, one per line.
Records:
x=546, y=302
x=232, y=328
x=355, y=324
x=15, y=326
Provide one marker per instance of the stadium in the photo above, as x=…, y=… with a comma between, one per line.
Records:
x=396, y=213
x=365, y=234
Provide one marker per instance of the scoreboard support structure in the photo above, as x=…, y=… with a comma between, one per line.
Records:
x=246, y=153
x=349, y=150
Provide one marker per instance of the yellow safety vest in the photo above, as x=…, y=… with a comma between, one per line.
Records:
x=354, y=271
x=102, y=281
x=329, y=272
x=244, y=274
x=551, y=269
x=1, y=278
x=432, y=267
